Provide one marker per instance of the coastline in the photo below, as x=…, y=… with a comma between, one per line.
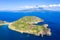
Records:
x=13, y=28
x=48, y=32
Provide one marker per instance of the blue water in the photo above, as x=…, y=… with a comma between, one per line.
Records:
x=51, y=18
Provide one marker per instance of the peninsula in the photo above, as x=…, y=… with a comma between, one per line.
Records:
x=27, y=25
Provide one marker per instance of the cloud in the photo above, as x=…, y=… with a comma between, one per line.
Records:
x=48, y=7
x=43, y=6
x=55, y=7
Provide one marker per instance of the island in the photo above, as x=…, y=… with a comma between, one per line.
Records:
x=27, y=24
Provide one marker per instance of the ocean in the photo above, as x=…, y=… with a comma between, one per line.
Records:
x=52, y=18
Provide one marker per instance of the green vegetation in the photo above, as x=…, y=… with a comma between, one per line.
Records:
x=25, y=24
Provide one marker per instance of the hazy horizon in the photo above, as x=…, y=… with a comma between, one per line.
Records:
x=23, y=4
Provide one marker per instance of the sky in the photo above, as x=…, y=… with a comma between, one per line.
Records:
x=21, y=4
